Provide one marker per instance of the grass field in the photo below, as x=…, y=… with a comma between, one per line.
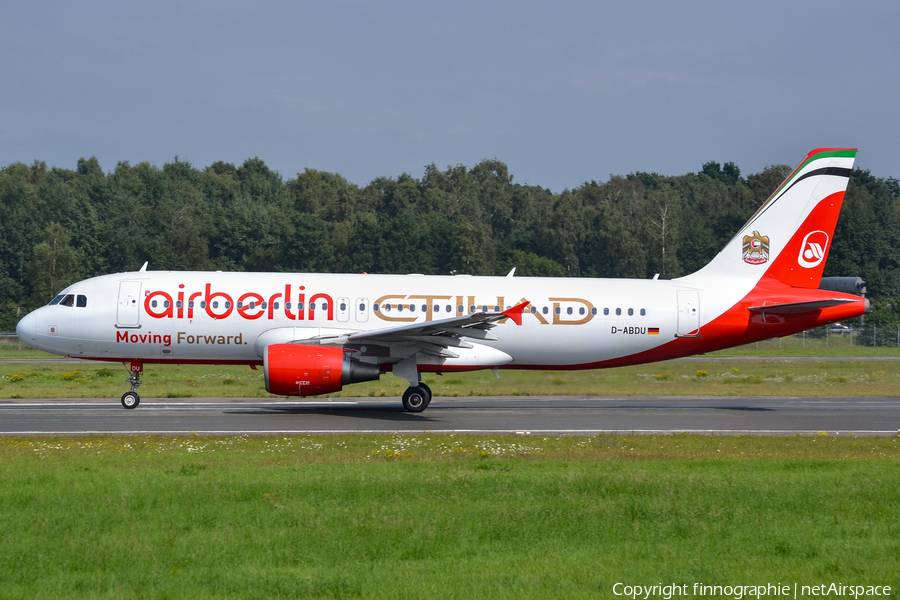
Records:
x=441, y=516
x=696, y=378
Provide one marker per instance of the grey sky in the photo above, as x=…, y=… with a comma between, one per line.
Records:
x=563, y=92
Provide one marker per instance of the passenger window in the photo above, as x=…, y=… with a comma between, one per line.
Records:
x=312, y=306
x=153, y=303
x=362, y=307
x=605, y=311
x=215, y=304
x=190, y=304
x=569, y=310
x=472, y=308
x=287, y=306
x=56, y=300
x=643, y=312
x=556, y=310
x=227, y=305
x=533, y=309
x=203, y=304
x=178, y=304
x=300, y=306
x=275, y=305
x=630, y=312
x=324, y=306
x=448, y=308
x=459, y=308
x=240, y=305
x=581, y=311
x=82, y=301
x=545, y=310
x=497, y=309
x=424, y=308
x=437, y=308
x=593, y=311
x=484, y=308
x=263, y=306
x=252, y=305
x=412, y=308
x=387, y=307
x=165, y=304
x=343, y=306
x=400, y=307
x=374, y=307
x=618, y=311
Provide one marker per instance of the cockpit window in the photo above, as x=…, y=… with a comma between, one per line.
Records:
x=69, y=300
x=81, y=301
x=56, y=300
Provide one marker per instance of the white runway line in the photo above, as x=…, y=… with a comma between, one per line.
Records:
x=533, y=432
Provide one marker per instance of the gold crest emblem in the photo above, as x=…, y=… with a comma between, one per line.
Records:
x=756, y=248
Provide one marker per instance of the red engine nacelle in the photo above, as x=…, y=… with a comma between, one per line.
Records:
x=295, y=370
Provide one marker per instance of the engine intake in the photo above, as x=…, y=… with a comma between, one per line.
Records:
x=297, y=370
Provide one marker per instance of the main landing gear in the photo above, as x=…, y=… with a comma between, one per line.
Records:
x=417, y=398
x=132, y=399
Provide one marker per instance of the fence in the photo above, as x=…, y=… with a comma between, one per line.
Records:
x=10, y=341
x=882, y=336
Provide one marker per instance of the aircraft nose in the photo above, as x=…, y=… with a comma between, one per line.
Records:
x=25, y=329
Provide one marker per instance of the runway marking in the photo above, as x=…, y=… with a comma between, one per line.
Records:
x=532, y=432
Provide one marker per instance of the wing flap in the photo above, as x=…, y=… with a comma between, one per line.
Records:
x=433, y=338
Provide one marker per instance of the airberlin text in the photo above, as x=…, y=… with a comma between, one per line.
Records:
x=297, y=304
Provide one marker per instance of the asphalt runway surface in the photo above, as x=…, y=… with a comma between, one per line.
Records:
x=499, y=414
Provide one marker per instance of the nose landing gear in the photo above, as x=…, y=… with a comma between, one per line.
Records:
x=132, y=399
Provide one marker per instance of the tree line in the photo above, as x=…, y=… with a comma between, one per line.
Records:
x=61, y=225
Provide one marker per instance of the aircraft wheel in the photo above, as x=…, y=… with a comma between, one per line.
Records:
x=415, y=399
x=427, y=389
x=130, y=399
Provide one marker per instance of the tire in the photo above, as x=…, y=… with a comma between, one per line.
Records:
x=415, y=399
x=427, y=389
x=130, y=399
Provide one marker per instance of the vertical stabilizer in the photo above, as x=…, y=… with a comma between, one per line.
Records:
x=789, y=237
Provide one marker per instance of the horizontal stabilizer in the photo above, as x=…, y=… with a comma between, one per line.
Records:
x=796, y=308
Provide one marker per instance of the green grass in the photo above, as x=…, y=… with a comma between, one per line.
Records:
x=440, y=516
x=104, y=380
x=833, y=346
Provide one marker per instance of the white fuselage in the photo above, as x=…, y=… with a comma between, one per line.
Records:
x=230, y=317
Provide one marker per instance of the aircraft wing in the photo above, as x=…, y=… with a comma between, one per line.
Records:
x=432, y=337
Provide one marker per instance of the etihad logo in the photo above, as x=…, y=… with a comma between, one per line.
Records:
x=755, y=249
x=813, y=249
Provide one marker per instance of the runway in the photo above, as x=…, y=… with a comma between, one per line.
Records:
x=535, y=415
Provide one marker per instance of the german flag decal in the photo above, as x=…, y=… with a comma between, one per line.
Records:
x=653, y=331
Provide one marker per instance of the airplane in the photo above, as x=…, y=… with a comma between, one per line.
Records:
x=314, y=333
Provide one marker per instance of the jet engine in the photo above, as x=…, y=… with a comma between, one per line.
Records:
x=297, y=370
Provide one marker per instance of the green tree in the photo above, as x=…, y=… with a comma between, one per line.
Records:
x=55, y=264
